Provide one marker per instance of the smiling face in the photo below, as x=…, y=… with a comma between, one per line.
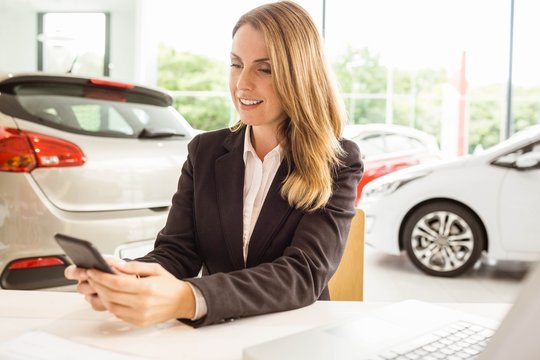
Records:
x=250, y=81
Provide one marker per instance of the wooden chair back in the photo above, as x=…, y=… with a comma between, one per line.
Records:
x=347, y=284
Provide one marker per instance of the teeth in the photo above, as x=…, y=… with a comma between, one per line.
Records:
x=250, y=102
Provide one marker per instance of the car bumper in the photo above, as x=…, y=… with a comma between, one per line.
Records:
x=381, y=225
x=28, y=223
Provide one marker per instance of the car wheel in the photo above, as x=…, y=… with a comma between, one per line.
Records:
x=443, y=238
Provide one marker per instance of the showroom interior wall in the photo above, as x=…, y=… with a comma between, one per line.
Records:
x=132, y=48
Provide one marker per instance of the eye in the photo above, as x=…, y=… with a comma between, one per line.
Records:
x=236, y=66
x=266, y=71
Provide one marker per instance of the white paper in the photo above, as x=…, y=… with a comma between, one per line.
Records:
x=39, y=345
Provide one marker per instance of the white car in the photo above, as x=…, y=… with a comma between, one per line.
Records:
x=446, y=215
x=90, y=158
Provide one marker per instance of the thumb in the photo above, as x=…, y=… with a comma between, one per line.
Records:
x=139, y=268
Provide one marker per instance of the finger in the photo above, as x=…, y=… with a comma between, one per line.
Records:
x=118, y=283
x=112, y=298
x=130, y=315
x=95, y=302
x=73, y=272
x=113, y=260
x=138, y=268
x=85, y=288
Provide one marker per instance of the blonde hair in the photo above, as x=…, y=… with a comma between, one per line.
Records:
x=303, y=84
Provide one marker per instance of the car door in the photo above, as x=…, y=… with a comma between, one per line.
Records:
x=519, y=207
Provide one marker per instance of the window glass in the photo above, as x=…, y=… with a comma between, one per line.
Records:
x=72, y=109
x=439, y=66
x=88, y=116
x=66, y=46
x=371, y=145
x=526, y=58
x=417, y=144
x=143, y=116
x=397, y=143
x=117, y=123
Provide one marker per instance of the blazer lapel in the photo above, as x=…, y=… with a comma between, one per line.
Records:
x=229, y=170
x=273, y=212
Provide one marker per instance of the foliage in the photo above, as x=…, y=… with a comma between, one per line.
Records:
x=525, y=107
x=180, y=71
x=417, y=96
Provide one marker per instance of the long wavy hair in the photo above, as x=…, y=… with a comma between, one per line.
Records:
x=306, y=90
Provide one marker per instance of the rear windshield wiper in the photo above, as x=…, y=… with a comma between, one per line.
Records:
x=158, y=133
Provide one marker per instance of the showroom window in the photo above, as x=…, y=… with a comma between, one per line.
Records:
x=525, y=85
x=439, y=66
x=65, y=44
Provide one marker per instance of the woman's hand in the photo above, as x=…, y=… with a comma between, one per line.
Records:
x=140, y=293
x=73, y=272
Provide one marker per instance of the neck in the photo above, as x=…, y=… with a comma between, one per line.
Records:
x=263, y=140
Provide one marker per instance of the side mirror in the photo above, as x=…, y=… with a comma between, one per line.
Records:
x=528, y=160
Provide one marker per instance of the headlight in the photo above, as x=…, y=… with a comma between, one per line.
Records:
x=383, y=188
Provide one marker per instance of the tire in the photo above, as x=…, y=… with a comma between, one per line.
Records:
x=446, y=251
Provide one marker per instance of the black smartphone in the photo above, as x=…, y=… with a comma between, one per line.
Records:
x=83, y=253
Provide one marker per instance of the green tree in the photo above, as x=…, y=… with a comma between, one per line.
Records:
x=183, y=71
x=416, y=95
x=418, y=98
x=525, y=107
x=359, y=72
x=486, y=113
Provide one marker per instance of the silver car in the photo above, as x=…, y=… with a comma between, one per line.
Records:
x=90, y=158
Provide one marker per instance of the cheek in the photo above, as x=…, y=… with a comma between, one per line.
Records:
x=272, y=95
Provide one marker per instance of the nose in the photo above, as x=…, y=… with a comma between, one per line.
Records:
x=244, y=81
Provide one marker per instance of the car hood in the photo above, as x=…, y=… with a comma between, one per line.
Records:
x=418, y=170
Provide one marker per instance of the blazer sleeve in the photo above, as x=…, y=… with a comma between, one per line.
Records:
x=175, y=247
x=300, y=275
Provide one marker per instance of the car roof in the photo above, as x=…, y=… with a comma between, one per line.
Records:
x=353, y=130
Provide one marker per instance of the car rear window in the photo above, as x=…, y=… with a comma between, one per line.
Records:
x=92, y=110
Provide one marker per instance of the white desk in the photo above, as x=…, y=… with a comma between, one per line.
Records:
x=67, y=315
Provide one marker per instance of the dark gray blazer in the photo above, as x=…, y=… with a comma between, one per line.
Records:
x=292, y=254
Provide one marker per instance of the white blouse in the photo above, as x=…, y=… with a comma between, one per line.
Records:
x=258, y=177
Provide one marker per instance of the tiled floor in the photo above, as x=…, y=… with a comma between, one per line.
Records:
x=394, y=278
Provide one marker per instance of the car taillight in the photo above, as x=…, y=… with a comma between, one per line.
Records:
x=23, y=151
x=36, y=262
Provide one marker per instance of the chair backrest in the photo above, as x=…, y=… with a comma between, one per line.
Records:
x=348, y=281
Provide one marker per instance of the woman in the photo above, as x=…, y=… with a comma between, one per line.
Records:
x=264, y=208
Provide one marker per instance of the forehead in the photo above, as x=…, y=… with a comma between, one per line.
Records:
x=248, y=43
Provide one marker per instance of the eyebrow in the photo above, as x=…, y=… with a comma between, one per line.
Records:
x=255, y=61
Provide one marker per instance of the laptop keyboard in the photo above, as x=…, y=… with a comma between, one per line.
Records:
x=456, y=341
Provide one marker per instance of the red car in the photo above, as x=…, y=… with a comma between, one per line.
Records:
x=386, y=148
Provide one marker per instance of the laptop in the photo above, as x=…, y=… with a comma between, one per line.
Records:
x=412, y=329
